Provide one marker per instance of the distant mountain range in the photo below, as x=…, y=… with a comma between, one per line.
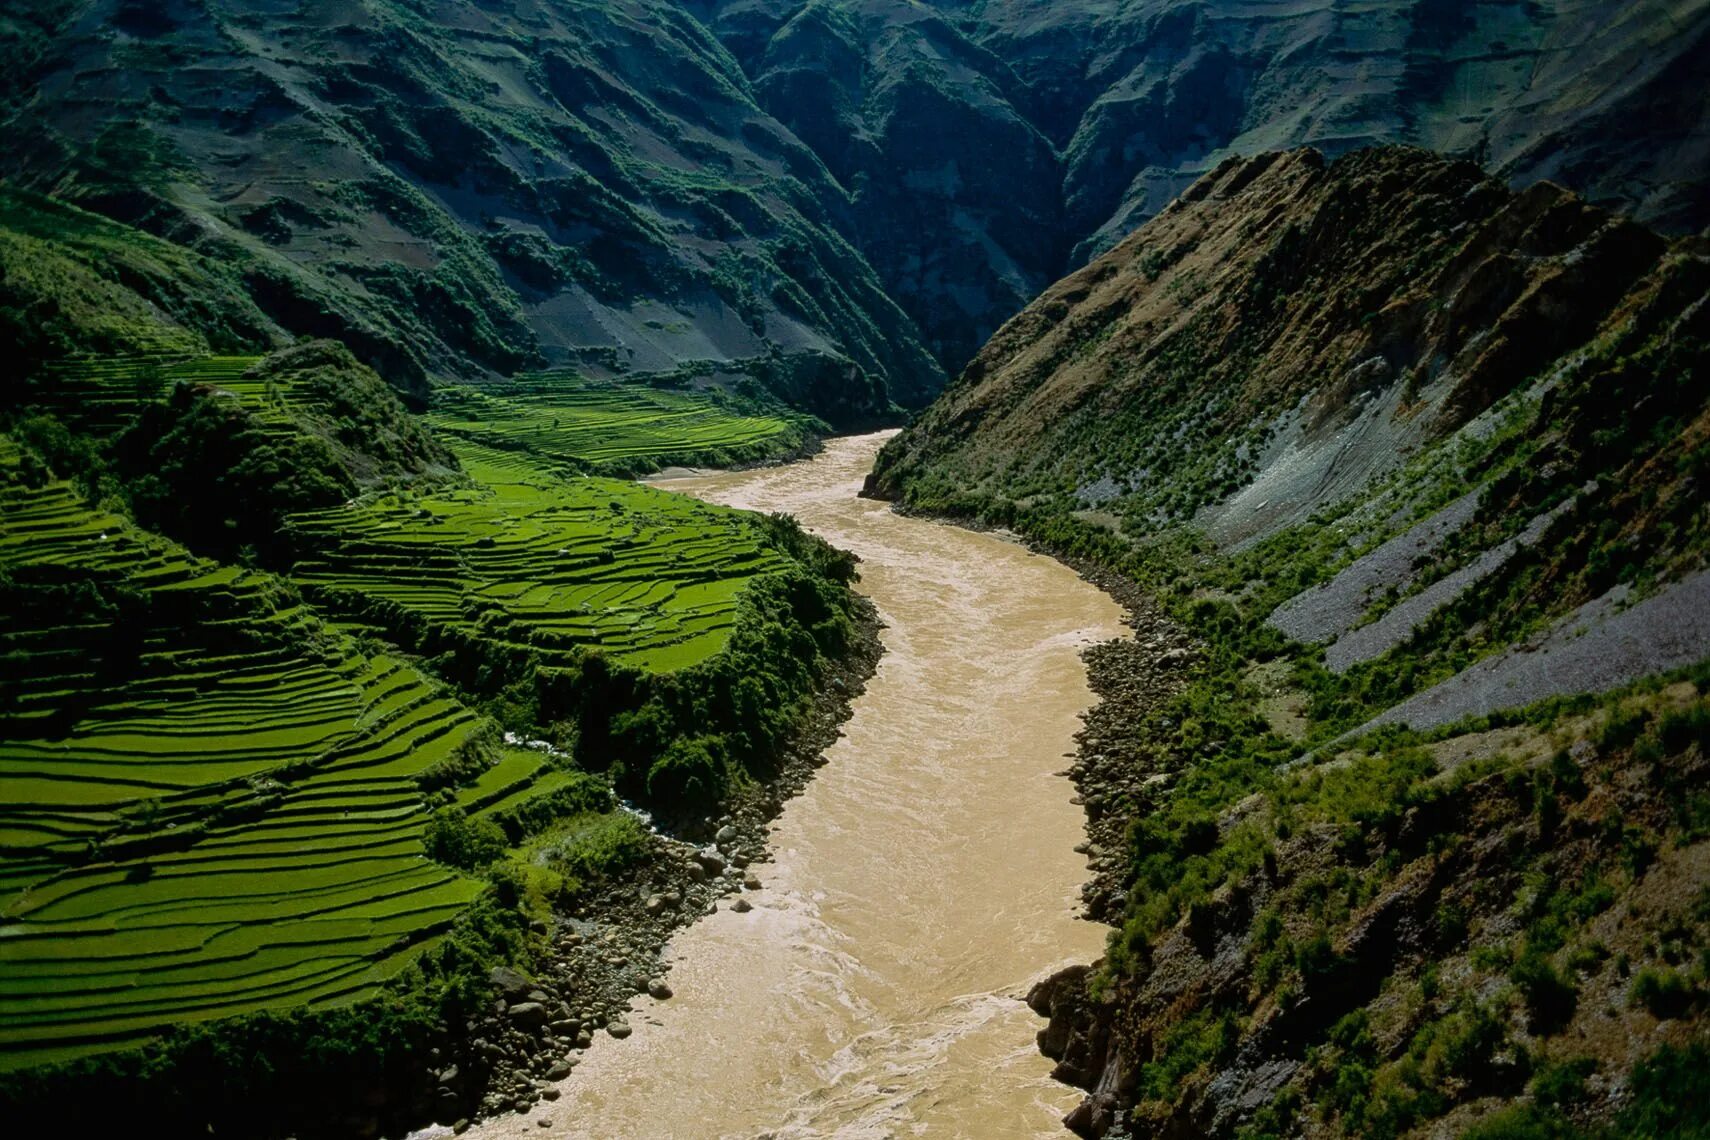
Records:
x=840, y=200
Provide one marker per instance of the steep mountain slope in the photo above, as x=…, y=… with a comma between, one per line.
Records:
x=458, y=190
x=955, y=190
x=989, y=147
x=1403, y=473
x=718, y=188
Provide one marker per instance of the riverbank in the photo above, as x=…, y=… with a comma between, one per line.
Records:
x=611, y=949
x=925, y=879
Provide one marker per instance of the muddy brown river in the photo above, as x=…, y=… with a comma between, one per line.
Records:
x=922, y=882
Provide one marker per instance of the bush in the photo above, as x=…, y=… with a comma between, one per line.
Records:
x=1550, y=998
x=1562, y=1084
x=454, y=838
x=691, y=770
x=1664, y=992
x=594, y=848
x=1670, y=1096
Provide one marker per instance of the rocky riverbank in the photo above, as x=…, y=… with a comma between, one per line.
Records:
x=594, y=961
x=1118, y=772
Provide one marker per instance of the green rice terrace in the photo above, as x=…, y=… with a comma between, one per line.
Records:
x=619, y=428
x=527, y=560
x=219, y=783
x=209, y=806
x=104, y=393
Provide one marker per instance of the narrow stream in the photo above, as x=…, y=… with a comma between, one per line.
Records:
x=925, y=879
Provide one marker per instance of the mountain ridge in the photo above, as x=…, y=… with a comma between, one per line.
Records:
x=1401, y=473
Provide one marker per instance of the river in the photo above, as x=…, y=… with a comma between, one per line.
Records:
x=923, y=881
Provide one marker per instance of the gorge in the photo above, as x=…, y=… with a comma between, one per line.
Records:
x=710, y=568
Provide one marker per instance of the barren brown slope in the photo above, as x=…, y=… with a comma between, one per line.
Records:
x=1288, y=319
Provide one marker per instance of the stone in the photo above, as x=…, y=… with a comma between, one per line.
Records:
x=725, y=834
x=550, y=1094
x=741, y=906
x=751, y=881
x=658, y=989
x=509, y=982
x=619, y=1029
x=560, y=1069
x=711, y=860
x=528, y=1014
x=654, y=904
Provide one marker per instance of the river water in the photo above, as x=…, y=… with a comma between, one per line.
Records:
x=922, y=882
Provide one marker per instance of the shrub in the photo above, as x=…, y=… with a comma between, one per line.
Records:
x=454, y=838
x=1664, y=992
x=1550, y=998
x=1670, y=1096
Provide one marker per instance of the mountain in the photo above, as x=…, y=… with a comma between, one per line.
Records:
x=461, y=190
x=1396, y=801
x=990, y=147
x=841, y=200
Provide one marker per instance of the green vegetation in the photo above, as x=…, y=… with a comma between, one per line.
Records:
x=210, y=801
x=259, y=801
x=621, y=429
x=554, y=567
x=218, y=805
x=76, y=283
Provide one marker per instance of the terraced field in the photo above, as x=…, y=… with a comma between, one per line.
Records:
x=208, y=805
x=530, y=560
x=211, y=801
x=103, y=393
x=613, y=428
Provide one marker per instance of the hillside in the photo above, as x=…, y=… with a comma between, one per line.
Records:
x=1397, y=798
x=467, y=191
x=990, y=147
x=313, y=716
x=839, y=200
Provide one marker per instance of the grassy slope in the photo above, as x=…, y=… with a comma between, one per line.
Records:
x=211, y=802
x=620, y=429
x=1187, y=362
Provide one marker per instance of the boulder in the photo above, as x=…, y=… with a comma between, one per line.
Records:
x=528, y=1014
x=509, y=982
